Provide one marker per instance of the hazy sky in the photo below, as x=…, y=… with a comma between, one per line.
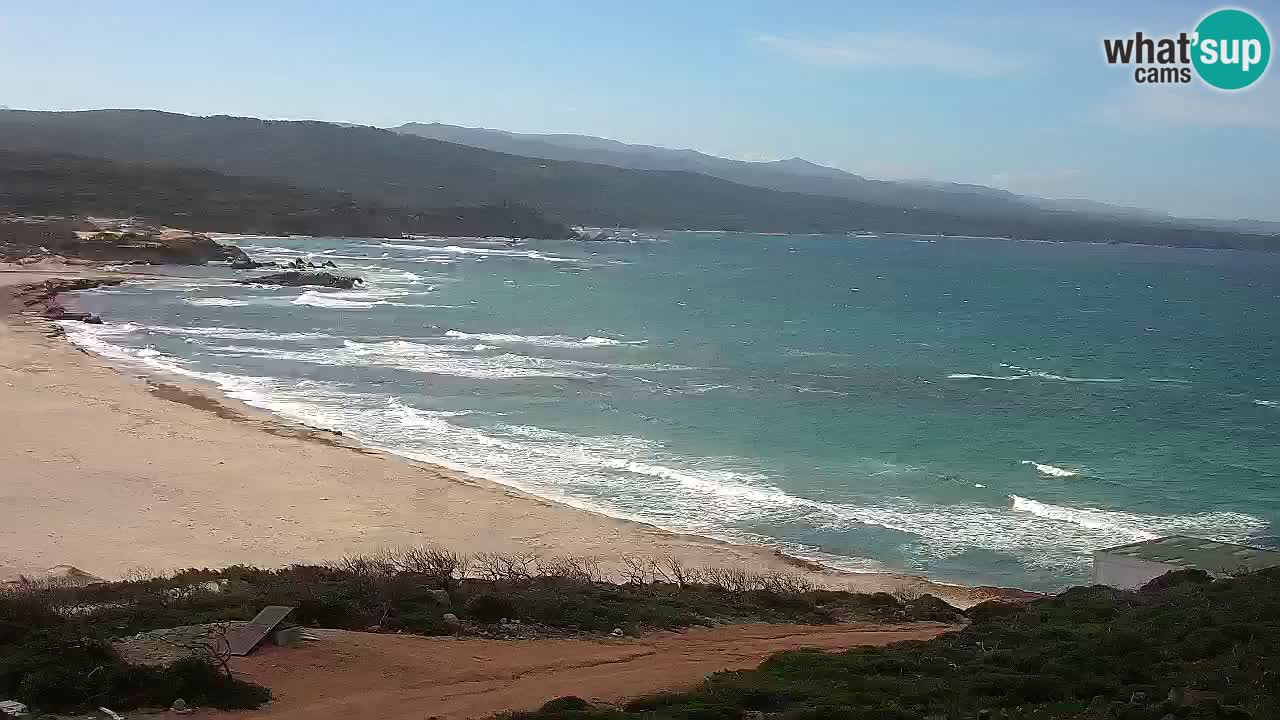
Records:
x=1010, y=94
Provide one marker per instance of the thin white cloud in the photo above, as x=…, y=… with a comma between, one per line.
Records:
x=1193, y=106
x=895, y=50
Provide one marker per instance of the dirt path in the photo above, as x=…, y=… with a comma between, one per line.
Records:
x=362, y=676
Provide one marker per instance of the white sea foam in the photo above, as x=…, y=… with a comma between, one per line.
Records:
x=423, y=358
x=1215, y=525
x=1267, y=403
x=486, y=252
x=215, y=302
x=818, y=391
x=271, y=250
x=379, y=274
x=1027, y=374
x=1051, y=470
x=556, y=341
x=315, y=298
x=641, y=479
x=229, y=333
x=1061, y=378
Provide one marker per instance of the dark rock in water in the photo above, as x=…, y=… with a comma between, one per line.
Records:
x=248, y=264
x=329, y=264
x=57, y=312
x=294, y=278
x=61, y=313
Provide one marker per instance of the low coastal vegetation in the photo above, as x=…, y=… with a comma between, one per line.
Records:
x=53, y=636
x=1182, y=647
x=1185, y=646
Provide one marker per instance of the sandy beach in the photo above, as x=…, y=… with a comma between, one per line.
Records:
x=110, y=470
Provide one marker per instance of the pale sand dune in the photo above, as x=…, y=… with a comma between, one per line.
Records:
x=107, y=470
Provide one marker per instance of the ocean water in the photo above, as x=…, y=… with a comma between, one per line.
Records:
x=980, y=411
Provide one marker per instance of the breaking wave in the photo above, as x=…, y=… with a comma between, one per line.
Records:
x=315, y=298
x=1028, y=374
x=215, y=302
x=641, y=479
x=1051, y=470
x=556, y=341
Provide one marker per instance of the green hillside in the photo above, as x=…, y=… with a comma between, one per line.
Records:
x=384, y=167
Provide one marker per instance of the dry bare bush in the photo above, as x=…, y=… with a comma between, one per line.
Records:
x=509, y=567
x=906, y=594
x=141, y=574
x=636, y=570
x=369, y=567
x=785, y=583
x=734, y=579
x=217, y=647
x=445, y=566
x=579, y=569
x=671, y=569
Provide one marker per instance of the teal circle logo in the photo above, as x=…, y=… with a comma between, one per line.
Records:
x=1232, y=49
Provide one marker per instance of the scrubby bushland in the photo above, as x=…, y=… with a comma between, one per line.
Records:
x=55, y=661
x=1183, y=647
x=411, y=590
x=55, y=649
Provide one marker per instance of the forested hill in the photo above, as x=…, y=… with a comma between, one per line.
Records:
x=204, y=200
x=387, y=168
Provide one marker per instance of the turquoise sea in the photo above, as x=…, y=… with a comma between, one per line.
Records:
x=982, y=411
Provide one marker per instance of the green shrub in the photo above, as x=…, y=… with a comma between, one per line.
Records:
x=488, y=607
x=52, y=662
x=1046, y=659
x=562, y=704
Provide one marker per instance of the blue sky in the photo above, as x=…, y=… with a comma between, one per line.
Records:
x=1010, y=94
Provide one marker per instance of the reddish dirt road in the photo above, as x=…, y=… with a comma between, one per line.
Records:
x=363, y=676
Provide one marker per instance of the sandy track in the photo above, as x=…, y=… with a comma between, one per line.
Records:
x=363, y=676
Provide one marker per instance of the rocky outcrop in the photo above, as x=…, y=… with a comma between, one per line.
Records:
x=43, y=297
x=25, y=237
x=295, y=278
x=57, y=312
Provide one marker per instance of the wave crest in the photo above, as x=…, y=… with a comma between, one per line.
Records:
x=1051, y=470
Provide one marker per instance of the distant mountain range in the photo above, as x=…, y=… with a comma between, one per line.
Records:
x=579, y=180
x=797, y=175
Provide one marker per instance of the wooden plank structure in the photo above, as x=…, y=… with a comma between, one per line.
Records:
x=244, y=639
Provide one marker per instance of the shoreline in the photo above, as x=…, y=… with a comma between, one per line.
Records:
x=292, y=512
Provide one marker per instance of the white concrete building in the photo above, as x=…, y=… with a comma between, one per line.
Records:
x=1131, y=566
